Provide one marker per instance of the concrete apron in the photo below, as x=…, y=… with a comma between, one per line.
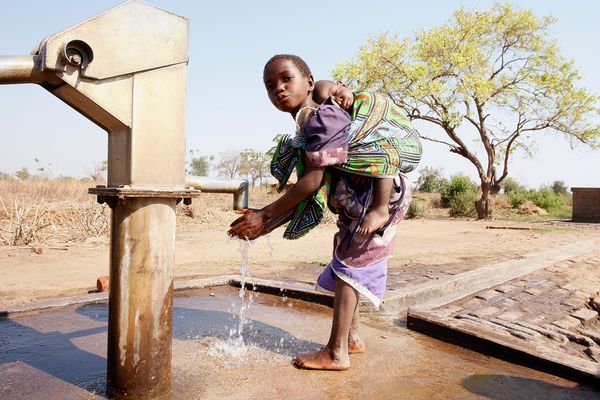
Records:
x=61, y=354
x=425, y=296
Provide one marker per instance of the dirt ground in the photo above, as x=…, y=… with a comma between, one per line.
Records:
x=425, y=249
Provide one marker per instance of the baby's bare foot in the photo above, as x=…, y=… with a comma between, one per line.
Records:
x=323, y=359
x=375, y=219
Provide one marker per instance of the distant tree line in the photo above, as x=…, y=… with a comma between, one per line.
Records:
x=459, y=193
x=249, y=163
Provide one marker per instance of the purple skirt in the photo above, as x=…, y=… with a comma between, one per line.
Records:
x=370, y=281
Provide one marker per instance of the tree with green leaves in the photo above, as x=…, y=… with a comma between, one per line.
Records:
x=559, y=187
x=199, y=165
x=254, y=164
x=489, y=81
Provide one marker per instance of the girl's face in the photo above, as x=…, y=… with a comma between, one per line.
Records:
x=287, y=88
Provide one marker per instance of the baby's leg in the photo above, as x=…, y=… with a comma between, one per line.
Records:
x=334, y=356
x=378, y=213
x=355, y=341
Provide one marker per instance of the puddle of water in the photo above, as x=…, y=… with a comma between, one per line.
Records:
x=62, y=354
x=69, y=345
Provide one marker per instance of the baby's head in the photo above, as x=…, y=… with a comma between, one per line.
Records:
x=336, y=90
x=289, y=82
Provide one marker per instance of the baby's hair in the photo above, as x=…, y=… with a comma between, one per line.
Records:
x=297, y=61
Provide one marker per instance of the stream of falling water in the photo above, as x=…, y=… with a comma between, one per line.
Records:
x=244, y=304
x=235, y=345
x=234, y=349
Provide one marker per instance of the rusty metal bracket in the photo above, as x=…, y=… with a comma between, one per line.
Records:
x=111, y=195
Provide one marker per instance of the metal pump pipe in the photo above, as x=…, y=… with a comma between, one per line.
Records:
x=237, y=187
x=22, y=69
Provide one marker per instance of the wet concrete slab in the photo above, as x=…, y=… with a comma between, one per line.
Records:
x=61, y=355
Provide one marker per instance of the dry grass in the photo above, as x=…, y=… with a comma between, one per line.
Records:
x=49, y=211
x=53, y=212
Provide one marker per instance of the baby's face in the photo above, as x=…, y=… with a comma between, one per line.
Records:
x=343, y=96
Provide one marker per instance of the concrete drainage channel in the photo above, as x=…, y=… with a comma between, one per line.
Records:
x=445, y=308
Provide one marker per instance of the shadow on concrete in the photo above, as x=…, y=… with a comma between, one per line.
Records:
x=53, y=353
x=57, y=354
x=193, y=324
x=509, y=387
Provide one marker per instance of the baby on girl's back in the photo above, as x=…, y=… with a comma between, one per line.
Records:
x=378, y=213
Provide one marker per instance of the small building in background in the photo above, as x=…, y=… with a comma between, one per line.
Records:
x=586, y=204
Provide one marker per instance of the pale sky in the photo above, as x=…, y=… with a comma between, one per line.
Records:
x=227, y=107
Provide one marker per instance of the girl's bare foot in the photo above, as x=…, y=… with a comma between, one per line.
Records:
x=324, y=359
x=356, y=345
x=375, y=219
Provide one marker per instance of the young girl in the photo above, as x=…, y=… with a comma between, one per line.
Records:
x=359, y=264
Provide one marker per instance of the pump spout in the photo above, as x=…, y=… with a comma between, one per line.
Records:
x=23, y=69
x=237, y=187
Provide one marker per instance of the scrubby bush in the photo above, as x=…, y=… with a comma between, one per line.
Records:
x=510, y=185
x=430, y=180
x=462, y=204
x=545, y=198
x=416, y=209
x=458, y=184
x=460, y=195
x=518, y=197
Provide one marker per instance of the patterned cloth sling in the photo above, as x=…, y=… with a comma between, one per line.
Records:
x=309, y=213
x=382, y=142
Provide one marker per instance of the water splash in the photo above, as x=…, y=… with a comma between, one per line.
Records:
x=269, y=244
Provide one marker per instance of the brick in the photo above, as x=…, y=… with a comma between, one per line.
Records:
x=506, y=303
x=573, y=302
x=485, y=312
x=584, y=314
x=582, y=284
x=446, y=311
x=487, y=295
x=534, y=291
x=506, y=288
x=521, y=296
x=472, y=303
x=102, y=283
x=567, y=323
x=537, y=282
x=510, y=316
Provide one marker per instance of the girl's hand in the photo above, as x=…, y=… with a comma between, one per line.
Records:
x=249, y=226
